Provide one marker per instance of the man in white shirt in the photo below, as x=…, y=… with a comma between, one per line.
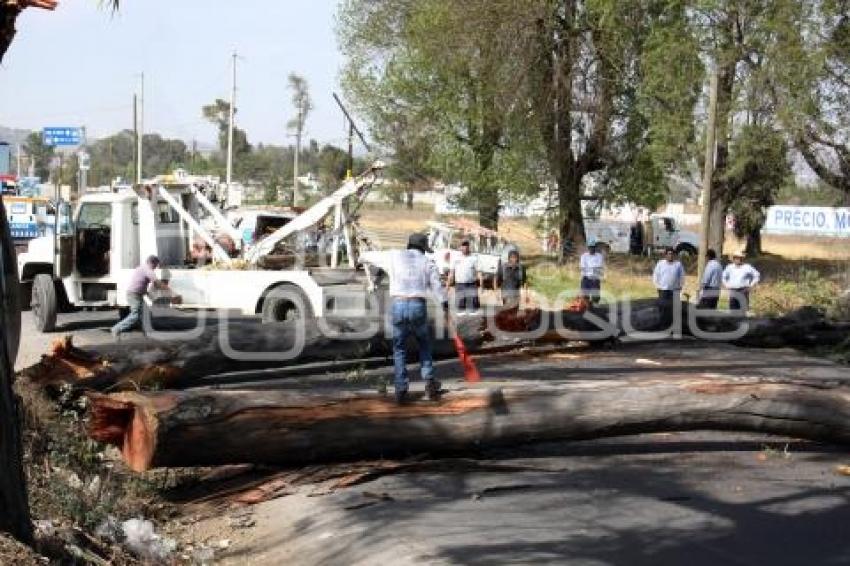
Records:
x=413, y=278
x=739, y=278
x=464, y=276
x=592, y=266
x=669, y=278
x=710, y=284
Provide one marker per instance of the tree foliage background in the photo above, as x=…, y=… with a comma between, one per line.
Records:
x=602, y=96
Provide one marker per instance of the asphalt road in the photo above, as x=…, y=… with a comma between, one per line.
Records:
x=698, y=498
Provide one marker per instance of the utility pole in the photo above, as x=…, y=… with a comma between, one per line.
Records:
x=295, y=169
x=140, y=132
x=18, y=163
x=83, y=164
x=230, y=126
x=135, y=138
x=708, y=174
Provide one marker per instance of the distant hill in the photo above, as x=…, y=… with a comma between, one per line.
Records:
x=13, y=136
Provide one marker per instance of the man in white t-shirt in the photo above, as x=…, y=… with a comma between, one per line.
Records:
x=592, y=265
x=465, y=277
x=739, y=278
x=669, y=278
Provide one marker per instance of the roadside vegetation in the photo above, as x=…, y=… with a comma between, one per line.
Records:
x=786, y=286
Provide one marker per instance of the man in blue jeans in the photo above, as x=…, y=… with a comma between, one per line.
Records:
x=141, y=278
x=413, y=278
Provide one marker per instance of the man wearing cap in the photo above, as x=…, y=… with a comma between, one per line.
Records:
x=413, y=278
x=592, y=265
x=739, y=278
x=464, y=276
x=142, y=277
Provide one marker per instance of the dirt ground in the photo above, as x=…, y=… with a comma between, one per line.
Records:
x=392, y=225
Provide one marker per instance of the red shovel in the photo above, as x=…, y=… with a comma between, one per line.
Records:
x=470, y=370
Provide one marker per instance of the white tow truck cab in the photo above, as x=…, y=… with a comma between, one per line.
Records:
x=89, y=260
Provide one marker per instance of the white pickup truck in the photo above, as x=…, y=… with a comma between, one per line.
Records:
x=643, y=237
x=488, y=246
x=89, y=260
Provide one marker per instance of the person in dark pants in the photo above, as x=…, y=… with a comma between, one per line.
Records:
x=464, y=277
x=739, y=278
x=413, y=278
x=512, y=282
x=669, y=278
x=710, y=284
x=592, y=266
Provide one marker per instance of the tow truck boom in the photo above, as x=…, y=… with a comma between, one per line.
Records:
x=358, y=186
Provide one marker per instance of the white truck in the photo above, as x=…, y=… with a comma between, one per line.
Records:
x=643, y=237
x=89, y=259
x=487, y=245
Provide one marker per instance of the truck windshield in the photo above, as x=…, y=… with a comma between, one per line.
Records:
x=95, y=214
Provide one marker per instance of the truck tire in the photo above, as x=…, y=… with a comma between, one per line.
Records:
x=286, y=303
x=44, y=302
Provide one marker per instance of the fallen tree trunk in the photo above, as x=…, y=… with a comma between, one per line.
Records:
x=249, y=346
x=200, y=428
x=244, y=346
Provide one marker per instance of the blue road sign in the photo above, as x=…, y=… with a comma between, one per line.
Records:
x=62, y=136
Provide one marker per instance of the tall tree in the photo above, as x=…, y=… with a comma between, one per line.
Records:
x=218, y=114
x=811, y=82
x=40, y=154
x=302, y=104
x=449, y=65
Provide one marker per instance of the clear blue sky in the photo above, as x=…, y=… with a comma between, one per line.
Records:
x=80, y=65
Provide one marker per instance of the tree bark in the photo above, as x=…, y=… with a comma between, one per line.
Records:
x=14, y=507
x=717, y=224
x=176, y=429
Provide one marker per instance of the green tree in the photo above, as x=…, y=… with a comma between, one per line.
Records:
x=810, y=58
x=302, y=104
x=447, y=66
x=218, y=114
x=40, y=154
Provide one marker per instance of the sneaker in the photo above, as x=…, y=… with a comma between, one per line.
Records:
x=401, y=397
x=433, y=389
x=115, y=334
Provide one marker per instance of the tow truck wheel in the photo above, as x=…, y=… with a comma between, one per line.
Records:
x=44, y=302
x=286, y=303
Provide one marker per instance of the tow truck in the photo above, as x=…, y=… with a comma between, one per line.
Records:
x=89, y=258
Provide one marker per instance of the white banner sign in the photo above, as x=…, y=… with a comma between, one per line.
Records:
x=811, y=220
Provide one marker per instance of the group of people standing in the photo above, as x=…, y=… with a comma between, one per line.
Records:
x=738, y=278
x=467, y=278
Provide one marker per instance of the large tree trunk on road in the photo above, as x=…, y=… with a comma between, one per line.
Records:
x=245, y=346
x=200, y=428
